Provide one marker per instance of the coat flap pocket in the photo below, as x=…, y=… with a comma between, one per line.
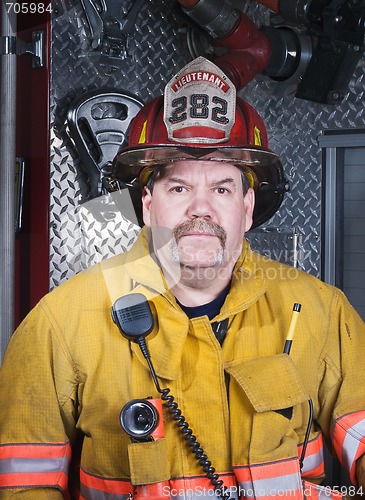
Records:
x=148, y=462
x=270, y=382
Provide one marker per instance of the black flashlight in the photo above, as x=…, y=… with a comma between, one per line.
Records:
x=142, y=419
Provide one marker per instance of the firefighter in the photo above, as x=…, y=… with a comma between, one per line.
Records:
x=247, y=407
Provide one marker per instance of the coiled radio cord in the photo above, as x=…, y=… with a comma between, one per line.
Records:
x=191, y=440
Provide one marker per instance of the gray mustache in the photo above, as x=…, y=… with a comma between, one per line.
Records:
x=200, y=225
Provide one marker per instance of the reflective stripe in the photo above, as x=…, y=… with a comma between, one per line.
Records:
x=154, y=491
x=23, y=465
x=97, y=488
x=270, y=480
x=28, y=480
x=35, y=450
x=100, y=488
x=194, y=487
x=349, y=440
x=34, y=464
x=276, y=487
x=273, y=487
x=313, y=464
x=90, y=494
x=201, y=493
x=318, y=492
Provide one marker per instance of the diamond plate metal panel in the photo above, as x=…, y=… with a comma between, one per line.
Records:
x=87, y=233
x=278, y=243
x=154, y=52
x=79, y=236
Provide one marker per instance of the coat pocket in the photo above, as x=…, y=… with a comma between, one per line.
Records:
x=148, y=462
x=279, y=406
x=270, y=382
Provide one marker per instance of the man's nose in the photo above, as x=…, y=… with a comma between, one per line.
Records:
x=201, y=205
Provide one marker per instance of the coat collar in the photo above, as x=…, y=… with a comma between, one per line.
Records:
x=166, y=342
x=248, y=280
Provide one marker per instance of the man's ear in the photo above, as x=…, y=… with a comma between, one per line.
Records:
x=249, y=204
x=146, y=206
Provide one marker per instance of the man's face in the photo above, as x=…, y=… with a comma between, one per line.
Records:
x=199, y=206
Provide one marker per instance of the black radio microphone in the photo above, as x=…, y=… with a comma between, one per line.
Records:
x=132, y=314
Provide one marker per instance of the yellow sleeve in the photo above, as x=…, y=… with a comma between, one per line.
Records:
x=343, y=393
x=38, y=392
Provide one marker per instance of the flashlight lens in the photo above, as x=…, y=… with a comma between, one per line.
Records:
x=139, y=418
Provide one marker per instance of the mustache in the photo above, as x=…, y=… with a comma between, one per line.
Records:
x=200, y=225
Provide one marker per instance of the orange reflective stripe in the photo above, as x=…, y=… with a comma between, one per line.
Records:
x=35, y=450
x=265, y=487
x=277, y=494
x=156, y=491
x=91, y=486
x=31, y=479
x=35, y=464
x=313, y=465
x=318, y=492
x=196, y=487
x=266, y=470
x=98, y=488
x=316, y=473
x=268, y=489
x=192, y=482
x=270, y=480
x=348, y=436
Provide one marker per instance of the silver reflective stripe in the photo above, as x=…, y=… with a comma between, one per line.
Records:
x=200, y=492
x=312, y=461
x=351, y=443
x=91, y=494
x=323, y=493
x=270, y=487
x=37, y=465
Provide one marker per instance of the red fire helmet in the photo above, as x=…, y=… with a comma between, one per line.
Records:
x=201, y=118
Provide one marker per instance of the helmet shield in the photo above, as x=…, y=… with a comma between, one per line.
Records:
x=199, y=104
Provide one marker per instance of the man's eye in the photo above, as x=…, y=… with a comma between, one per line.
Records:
x=222, y=190
x=178, y=189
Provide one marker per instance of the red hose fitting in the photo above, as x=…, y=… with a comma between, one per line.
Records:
x=188, y=4
x=270, y=4
x=248, y=52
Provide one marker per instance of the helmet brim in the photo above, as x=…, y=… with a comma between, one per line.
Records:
x=263, y=169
